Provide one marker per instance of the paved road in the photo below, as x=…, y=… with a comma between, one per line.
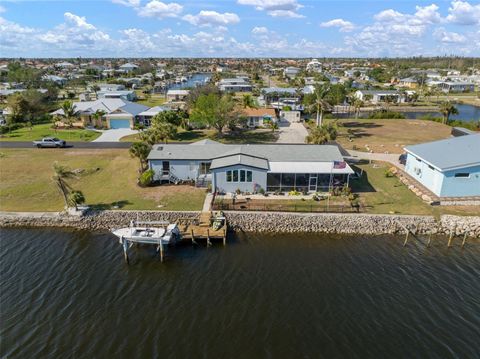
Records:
x=294, y=132
x=73, y=145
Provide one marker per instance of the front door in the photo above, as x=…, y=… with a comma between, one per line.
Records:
x=312, y=185
x=165, y=167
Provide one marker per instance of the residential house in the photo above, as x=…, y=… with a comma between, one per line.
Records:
x=128, y=67
x=145, y=117
x=119, y=113
x=290, y=72
x=380, y=96
x=448, y=168
x=237, y=84
x=55, y=79
x=249, y=168
x=177, y=95
x=260, y=117
x=314, y=65
x=408, y=82
x=290, y=116
x=128, y=95
x=449, y=86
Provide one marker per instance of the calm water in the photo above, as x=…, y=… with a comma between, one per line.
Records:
x=70, y=295
x=465, y=113
x=194, y=80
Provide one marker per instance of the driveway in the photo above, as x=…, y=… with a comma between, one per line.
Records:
x=114, y=135
x=383, y=157
x=291, y=132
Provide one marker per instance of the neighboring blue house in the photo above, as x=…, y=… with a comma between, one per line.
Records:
x=448, y=168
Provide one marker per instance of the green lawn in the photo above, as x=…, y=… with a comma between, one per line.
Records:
x=107, y=179
x=152, y=101
x=46, y=130
x=380, y=194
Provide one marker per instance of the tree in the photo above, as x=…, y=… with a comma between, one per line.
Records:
x=141, y=151
x=98, y=115
x=160, y=132
x=61, y=174
x=75, y=198
x=248, y=101
x=214, y=111
x=323, y=134
x=69, y=112
x=336, y=94
x=95, y=88
x=357, y=104
x=18, y=107
x=172, y=117
x=447, y=108
x=317, y=102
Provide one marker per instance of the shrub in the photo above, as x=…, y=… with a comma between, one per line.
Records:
x=294, y=193
x=386, y=114
x=389, y=173
x=261, y=191
x=146, y=178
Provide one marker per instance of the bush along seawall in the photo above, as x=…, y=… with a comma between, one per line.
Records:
x=262, y=222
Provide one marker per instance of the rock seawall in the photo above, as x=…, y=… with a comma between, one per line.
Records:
x=273, y=222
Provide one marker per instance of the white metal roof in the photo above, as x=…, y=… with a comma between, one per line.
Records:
x=306, y=167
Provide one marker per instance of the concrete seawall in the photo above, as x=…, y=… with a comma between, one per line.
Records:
x=273, y=222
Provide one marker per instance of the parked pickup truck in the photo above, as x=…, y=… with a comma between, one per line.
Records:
x=49, y=142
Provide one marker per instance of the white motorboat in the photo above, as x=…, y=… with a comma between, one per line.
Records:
x=148, y=232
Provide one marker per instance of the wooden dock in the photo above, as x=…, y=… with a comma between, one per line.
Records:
x=200, y=228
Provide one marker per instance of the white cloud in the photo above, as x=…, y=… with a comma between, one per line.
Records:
x=449, y=37
x=259, y=30
x=345, y=26
x=212, y=18
x=78, y=21
x=463, y=13
x=160, y=9
x=428, y=14
x=130, y=3
x=276, y=8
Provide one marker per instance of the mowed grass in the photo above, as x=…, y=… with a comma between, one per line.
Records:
x=107, y=179
x=381, y=194
x=37, y=132
x=388, y=135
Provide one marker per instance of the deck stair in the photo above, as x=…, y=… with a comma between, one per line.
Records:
x=173, y=179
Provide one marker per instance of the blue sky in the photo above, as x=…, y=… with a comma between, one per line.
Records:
x=238, y=28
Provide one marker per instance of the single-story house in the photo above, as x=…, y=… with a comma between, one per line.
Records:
x=119, y=113
x=378, y=96
x=145, y=117
x=314, y=65
x=260, y=117
x=110, y=87
x=177, y=95
x=409, y=82
x=291, y=72
x=290, y=116
x=249, y=168
x=456, y=86
x=128, y=67
x=128, y=95
x=448, y=168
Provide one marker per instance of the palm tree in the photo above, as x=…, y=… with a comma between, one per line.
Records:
x=75, y=198
x=69, y=112
x=357, y=104
x=319, y=102
x=141, y=151
x=248, y=101
x=95, y=88
x=62, y=173
x=98, y=115
x=447, y=109
x=161, y=132
x=322, y=134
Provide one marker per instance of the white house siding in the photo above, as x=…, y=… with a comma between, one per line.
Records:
x=427, y=175
x=182, y=169
x=219, y=179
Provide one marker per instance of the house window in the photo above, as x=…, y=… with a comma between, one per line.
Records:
x=235, y=175
x=249, y=176
x=462, y=175
x=229, y=176
x=242, y=175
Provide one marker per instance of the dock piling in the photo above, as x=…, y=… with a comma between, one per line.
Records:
x=464, y=239
x=406, y=238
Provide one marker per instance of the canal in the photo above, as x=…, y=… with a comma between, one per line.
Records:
x=69, y=294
